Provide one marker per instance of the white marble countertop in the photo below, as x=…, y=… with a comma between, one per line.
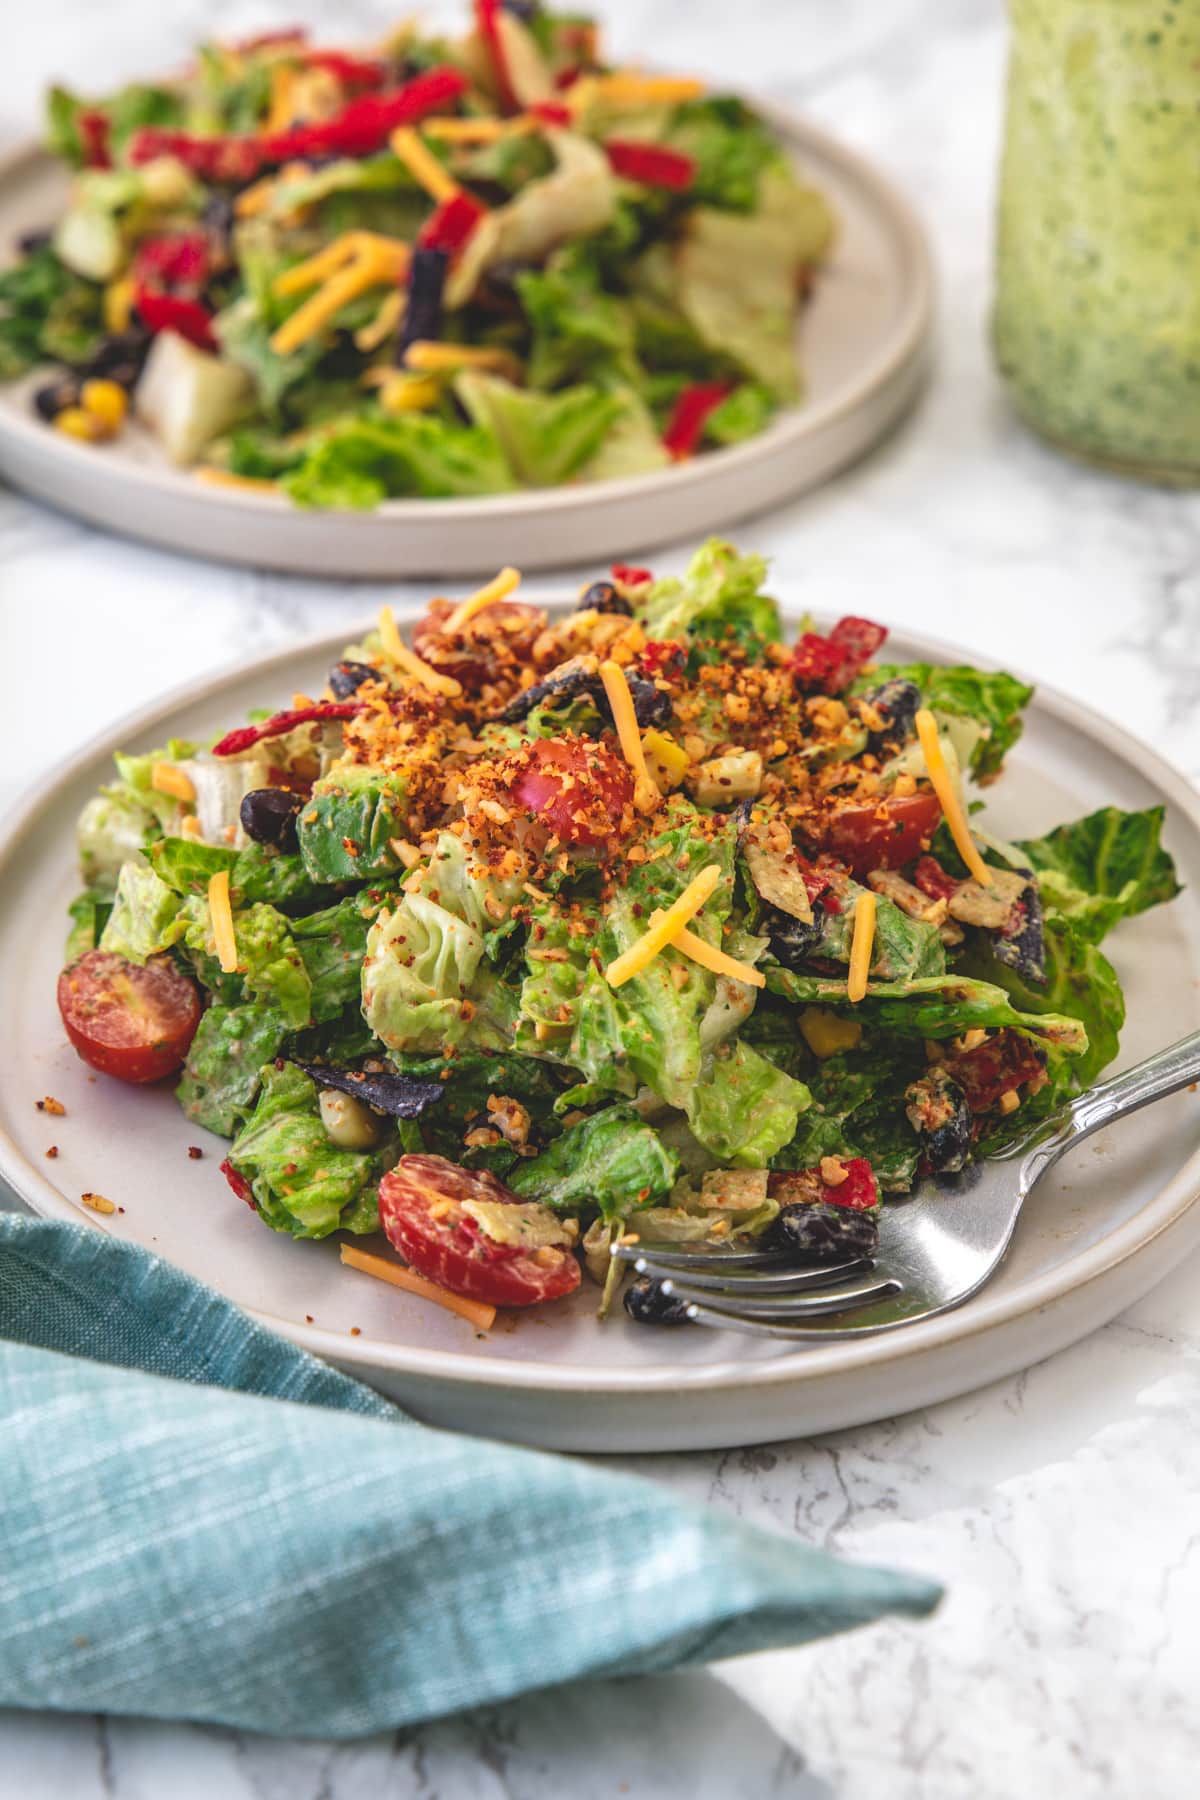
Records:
x=1059, y=1507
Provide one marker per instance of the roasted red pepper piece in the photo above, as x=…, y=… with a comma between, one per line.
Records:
x=859, y=1191
x=933, y=880
x=94, y=130
x=1001, y=1065
x=178, y=259
x=449, y=227
x=235, y=160
x=487, y=16
x=831, y=663
x=627, y=576
x=244, y=737
x=239, y=1184
x=651, y=164
x=268, y=40
x=690, y=414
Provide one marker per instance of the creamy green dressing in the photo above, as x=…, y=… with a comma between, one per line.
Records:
x=1097, y=315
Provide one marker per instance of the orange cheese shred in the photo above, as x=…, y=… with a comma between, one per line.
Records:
x=483, y=1317
x=664, y=929
x=861, y=946
x=423, y=165
x=947, y=793
x=616, y=686
x=398, y=652
x=220, y=911
x=498, y=588
x=709, y=957
x=165, y=778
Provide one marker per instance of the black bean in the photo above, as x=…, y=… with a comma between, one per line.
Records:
x=793, y=941
x=525, y=10
x=269, y=815
x=1023, y=948
x=119, y=357
x=645, y=1301
x=345, y=678
x=602, y=597
x=30, y=242
x=573, y=678
x=400, y=1096
x=938, y=1112
x=423, y=314
x=818, y=1233
x=897, y=702
x=50, y=400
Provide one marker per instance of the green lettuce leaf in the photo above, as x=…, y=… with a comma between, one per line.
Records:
x=719, y=595
x=992, y=699
x=127, y=111
x=935, y=1006
x=858, y=1110
x=546, y=438
x=270, y=967
x=611, y=1162
x=345, y=830
x=302, y=1183
x=221, y=1075
x=145, y=918
x=90, y=913
x=580, y=332
x=47, y=314
x=745, y=1109
x=731, y=148
x=1103, y=868
x=332, y=945
x=358, y=463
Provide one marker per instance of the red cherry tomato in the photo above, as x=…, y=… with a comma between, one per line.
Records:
x=134, y=1023
x=421, y=1210
x=577, y=788
x=884, y=836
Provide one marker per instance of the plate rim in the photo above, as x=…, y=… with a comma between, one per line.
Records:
x=449, y=1368
x=906, y=344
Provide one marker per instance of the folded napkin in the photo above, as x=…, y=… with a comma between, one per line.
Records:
x=199, y=1521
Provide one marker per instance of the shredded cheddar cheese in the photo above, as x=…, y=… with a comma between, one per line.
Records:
x=402, y=393
x=616, y=686
x=479, y=131
x=398, y=652
x=423, y=165
x=386, y=321
x=861, y=946
x=711, y=958
x=165, y=778
x=350, y=266
x=947, y=793
x=629, y=88
x=221, y=913
x=665, y=929
x=431, y=357
x=483, y=1317
x=498, y=588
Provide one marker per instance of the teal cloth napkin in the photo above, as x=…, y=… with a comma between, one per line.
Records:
x=199, y=1521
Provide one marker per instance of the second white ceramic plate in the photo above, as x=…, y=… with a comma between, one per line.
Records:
x=1107, y=1223
x=864, y=342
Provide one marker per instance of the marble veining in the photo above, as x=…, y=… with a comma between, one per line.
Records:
x=1059, y=1507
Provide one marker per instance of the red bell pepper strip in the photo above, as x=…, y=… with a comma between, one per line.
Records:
x=360, y=128
x=175, y=312
x=244, y=737
x=487, y=18
x=94, y=141
x=859, y=1191
x=549, y=113
x=651, y=164
x=451, y=224
x=177, y=259
x=269, y=40
x=627, y=576
x=690, y=414
x=351, y=71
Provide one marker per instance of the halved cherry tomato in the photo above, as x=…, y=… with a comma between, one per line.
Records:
x=132, y=1022
x=577, y=788
x=884, y=836
x=421, y=1210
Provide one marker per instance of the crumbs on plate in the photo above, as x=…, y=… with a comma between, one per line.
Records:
x=99, y=1204
x=50, y=1105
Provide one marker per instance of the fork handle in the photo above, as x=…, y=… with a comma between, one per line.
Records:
x=1163, y=1073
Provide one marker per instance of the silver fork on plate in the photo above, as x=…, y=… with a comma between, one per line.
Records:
x=936, y=1248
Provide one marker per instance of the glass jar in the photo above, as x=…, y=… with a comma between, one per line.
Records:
x=1097, y=316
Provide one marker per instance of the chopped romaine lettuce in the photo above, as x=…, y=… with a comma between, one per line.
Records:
x=363, y=461
x=301, y=1182
x=221, y=1075
x=546, y=438
x=611, y=1161
x=993, y=700
x=145, y=917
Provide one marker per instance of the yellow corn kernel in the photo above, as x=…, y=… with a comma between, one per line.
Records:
x=107, y=402
x=118, y=304
x=667, y=761
x=76, y=423
x=409, y=393
x=826, y=1034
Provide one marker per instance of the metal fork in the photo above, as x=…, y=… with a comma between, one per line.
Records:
x=936, y=1248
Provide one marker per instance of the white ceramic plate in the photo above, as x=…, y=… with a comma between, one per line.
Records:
x=1099, y=1231
x=864, y=342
